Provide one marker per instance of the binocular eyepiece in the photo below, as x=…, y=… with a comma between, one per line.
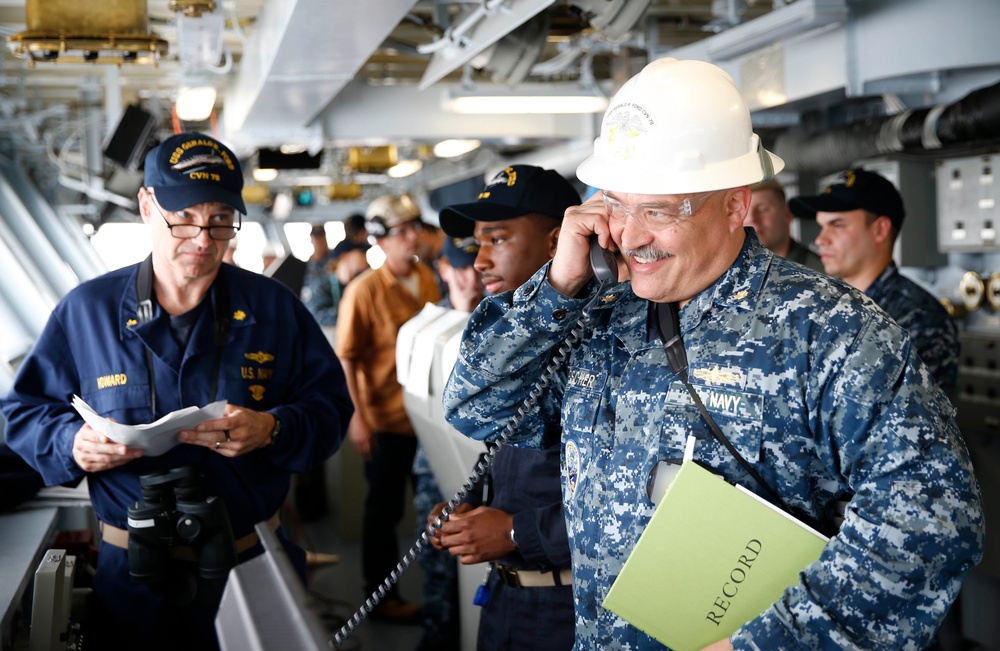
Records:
x=175, y=512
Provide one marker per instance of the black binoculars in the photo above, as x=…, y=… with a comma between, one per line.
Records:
x=175, y=512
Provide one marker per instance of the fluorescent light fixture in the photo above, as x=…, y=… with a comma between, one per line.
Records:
x=454, y=147
x=265, y=174
x=537, y=98
x=195, y=103
x=366, y=178
x=782, y=23
x=313, y=180
x=404, y=168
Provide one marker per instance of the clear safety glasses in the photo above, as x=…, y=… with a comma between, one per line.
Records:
x=657, y=216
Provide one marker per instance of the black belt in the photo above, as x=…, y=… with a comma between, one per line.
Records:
x=533, y=579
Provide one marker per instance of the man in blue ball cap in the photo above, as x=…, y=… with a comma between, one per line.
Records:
x=179, y=330
x=860, y=215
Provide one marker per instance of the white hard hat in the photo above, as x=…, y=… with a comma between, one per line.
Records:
x=677, y=127
x=388, y=211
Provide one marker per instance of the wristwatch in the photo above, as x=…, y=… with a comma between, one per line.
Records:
x=276, y=432
x=512, y=541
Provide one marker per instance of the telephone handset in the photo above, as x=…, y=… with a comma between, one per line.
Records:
x=605, y=269
x=603, y=263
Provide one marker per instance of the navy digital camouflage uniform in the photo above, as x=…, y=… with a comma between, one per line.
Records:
x=318, y=291
x=932, y=330
x=439, y=615
x=811, y=382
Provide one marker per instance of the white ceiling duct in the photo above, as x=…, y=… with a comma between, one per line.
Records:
x=474, y=31
x=301, y=54
x=511, y=59
x=614, y=18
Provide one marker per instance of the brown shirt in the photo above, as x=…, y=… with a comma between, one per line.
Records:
x=373, y=308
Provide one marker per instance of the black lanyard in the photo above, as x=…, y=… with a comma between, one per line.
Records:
x=668, y=324
x=220, y=320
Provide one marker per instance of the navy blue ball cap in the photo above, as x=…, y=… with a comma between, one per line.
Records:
x=855, y=189
x=516, y=191
x=461, y=252
x=192, y=168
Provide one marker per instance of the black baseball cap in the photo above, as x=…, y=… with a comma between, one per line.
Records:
x=192, y=168
x=461, y=252
x=516, y=191
x=854, y=189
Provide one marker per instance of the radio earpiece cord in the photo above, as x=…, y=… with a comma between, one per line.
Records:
x=479, y=471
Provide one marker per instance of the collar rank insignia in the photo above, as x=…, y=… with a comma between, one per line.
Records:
x=130, y=323
x=239, y=315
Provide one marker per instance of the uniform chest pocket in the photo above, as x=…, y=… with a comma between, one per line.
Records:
x=127, y=403
x=737, y=413
x=582, y=399
x=257, y=381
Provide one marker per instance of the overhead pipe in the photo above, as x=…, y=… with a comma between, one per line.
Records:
x=455, y=35
x=975, y=117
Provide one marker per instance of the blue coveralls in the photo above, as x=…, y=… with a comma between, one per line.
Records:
x=526, y=483
x=276, y=359
x=810, y=380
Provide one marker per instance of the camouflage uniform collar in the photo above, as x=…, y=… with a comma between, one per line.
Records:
x=737, y=289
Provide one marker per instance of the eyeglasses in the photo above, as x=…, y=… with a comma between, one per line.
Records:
x=655, y=217
x=402, y=229
x=191, y=231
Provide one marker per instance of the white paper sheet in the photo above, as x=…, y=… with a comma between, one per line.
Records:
x=155, y=438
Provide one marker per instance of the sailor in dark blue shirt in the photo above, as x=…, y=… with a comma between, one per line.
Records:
x=516, y=521
x=179, y=330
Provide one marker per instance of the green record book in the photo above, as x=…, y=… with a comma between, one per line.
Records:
x=713, y=557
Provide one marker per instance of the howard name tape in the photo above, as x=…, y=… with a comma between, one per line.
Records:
x=713, y=557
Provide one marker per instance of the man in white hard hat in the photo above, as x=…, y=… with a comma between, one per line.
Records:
x=819, y=395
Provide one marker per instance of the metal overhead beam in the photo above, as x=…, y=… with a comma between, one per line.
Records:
x=299, y=56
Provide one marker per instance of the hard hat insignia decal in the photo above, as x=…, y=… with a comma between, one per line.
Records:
x=625, y=123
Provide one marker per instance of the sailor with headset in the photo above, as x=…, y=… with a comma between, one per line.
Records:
x=812, y=385
x=179, y=330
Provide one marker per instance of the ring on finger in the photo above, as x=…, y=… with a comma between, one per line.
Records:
x=218, y=444
x=226, y=432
